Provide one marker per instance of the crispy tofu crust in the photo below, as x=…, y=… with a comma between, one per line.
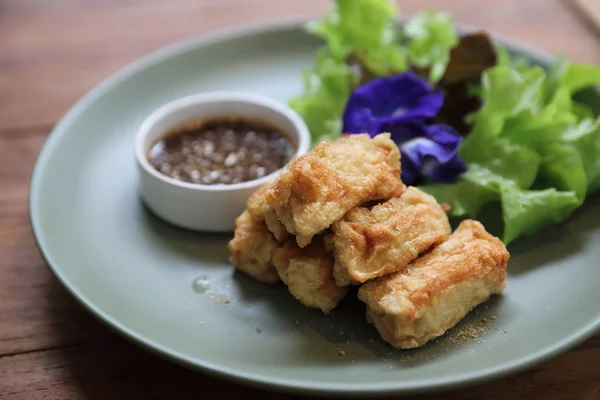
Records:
x=374, y=242
x=252, y=248
x=259, y=210
x=435, y=291
x=308, y=274
x=318, y=188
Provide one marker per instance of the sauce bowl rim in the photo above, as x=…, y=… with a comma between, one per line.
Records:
x=301, y=134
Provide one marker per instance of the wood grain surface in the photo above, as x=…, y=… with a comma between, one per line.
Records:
x=590, y=11
x=51, y=53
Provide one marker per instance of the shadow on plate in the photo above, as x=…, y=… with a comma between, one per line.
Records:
x=191, y=244
x=97, y=364
x=344, y=336
x=324, y=338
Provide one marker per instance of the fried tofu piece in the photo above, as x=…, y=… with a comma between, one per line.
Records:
x=252, y=248
x=258, y=209
x=318, y=188
x=308, y=274
x=434, y=292
x=373, y=242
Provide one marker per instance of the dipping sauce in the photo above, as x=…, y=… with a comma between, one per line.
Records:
x=221, y=151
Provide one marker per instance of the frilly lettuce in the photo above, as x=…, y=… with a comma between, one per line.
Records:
x=529, y=149
x=476, y=188
x=527, y=211
x=431, y=37
x=512, y=162
x=365, y=28
x=563, y=169
x=365, y=31
x=531, y=146
x=326, y=89
x=584, y=137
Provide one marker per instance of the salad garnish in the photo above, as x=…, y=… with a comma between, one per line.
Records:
x=528, y=143
x=405, y=105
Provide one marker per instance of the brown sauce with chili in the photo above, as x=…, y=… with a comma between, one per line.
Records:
x=221, y=151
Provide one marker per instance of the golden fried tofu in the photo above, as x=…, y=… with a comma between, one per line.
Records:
x=373, y=242
x=308, y=274
x=318, y=188
x=438, y=289
x=252, y=248
x=258, y=209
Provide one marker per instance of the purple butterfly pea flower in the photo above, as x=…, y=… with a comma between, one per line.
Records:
x=402, y=97
x=403, y=105
x=428, y=151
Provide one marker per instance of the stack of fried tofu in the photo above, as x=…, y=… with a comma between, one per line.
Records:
x=340, y=217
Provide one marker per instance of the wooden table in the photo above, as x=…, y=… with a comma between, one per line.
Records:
x=51, y=53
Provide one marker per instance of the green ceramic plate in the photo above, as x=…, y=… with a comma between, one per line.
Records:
x=173, y=291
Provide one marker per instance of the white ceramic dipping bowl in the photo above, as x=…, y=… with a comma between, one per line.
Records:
x=211, y=208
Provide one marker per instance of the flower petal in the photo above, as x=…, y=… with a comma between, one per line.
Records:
x=360, y=120
x=437, y=162
x=390, y=99
x=402, y=105
x=444, y=135
x=404, y=131
x=411, y=168
x=424, y=147
x=444, y=172
x=428, y=148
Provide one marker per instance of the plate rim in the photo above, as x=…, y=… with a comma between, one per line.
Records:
x=236, y=375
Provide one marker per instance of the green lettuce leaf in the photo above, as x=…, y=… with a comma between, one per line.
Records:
x=519, y=108
x=505, y=59
x=532, y=129
x=571, y=77
x=524, y=211
x=580, y=76
x=581, y=111
x=585, y=138
x=563, y=169
x=362, y=24
x=531, y=148
x=506, y=93
x=554, y=76
x=366, y=27
x=326, y=90
x=512, y=162
x=432, y=36
x=331, y=130
x=385, y=60
x=475, y=188
x=527, y=211
x=463, y=198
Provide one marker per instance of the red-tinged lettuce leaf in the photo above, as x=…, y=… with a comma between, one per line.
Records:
x=474, y=54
